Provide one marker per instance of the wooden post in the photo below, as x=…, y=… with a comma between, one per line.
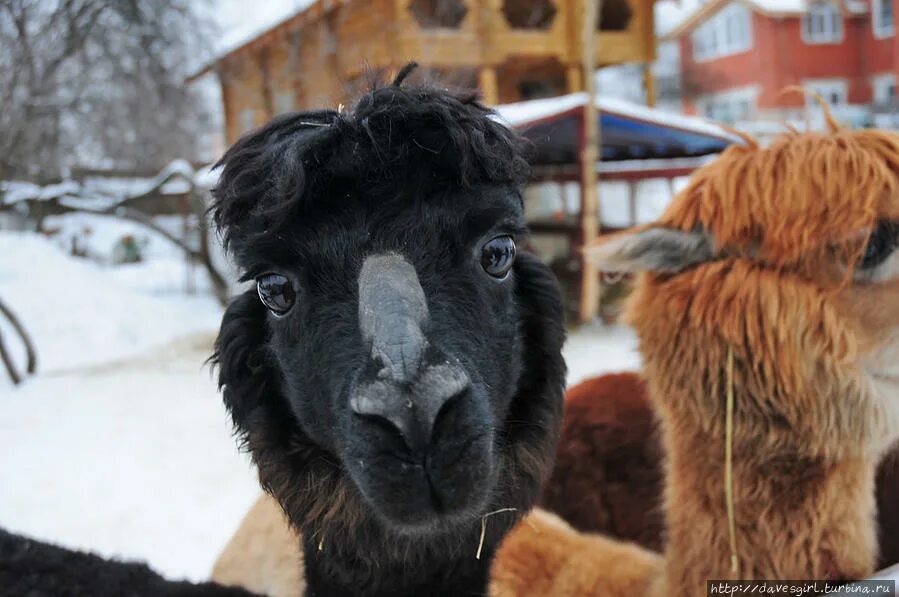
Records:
x=590, y=290
x=649, y=85
x=489, y=85
x=574, y=79
x=268, y=101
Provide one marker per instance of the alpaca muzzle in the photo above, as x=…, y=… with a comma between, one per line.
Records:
x=413, y=382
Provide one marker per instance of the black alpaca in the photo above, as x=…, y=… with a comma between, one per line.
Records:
x=31, y=568
x=396, y=373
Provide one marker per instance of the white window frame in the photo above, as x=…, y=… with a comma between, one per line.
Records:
x=880, y=89
x=882, y=29
x=829, y=16
x=727, y=32
x=825, y=88
x=715, y=105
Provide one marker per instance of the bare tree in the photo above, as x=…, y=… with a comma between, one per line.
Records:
x=98, y=80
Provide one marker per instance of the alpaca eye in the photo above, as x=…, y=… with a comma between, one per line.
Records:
x=881, y=244
x=498, y=255
x=276, y=292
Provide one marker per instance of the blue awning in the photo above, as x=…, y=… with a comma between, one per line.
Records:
x=629, y=131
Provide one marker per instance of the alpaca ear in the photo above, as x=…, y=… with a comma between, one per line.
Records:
x=661, y=250
x=245, y=375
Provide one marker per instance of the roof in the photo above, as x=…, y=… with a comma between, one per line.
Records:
x=771, y=8
x=302, y=13
x=629, y=131
x=298, y=13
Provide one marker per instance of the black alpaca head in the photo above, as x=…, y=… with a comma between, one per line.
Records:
x=397, y=366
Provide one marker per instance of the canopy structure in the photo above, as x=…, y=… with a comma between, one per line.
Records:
x=637, y=143
x=629, y=131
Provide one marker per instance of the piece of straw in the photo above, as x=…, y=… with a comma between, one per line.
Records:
x=484, y=527
x=729, y=463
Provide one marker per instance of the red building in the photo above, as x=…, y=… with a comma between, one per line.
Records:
x=737, y=57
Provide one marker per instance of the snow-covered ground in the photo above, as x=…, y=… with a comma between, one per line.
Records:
x=120, y=444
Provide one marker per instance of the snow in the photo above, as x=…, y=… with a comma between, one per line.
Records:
x=207, y=176
x=522, y=113
x=121, y=444
x=132, y=461
x=671, y=13
x=597, y=349
x=103, y=192
x=15, y=191
x=239, y=24
x=78, y=317
x=781, y=6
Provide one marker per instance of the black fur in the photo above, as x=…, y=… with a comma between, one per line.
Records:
x=30, y=568
x=429, y=175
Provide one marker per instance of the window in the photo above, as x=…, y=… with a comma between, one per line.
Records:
x=247, y=120
x=536, y=89
x=822, y=24
x=283, y=102
x=737, y=105
x=884, y=87
x=727, y=32
x=882, y=18
x=834, y=91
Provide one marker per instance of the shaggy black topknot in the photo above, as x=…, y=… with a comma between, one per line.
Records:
x=430, y=140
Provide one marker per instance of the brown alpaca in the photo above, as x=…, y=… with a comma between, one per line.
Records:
x=608, y=473
x=782, y=261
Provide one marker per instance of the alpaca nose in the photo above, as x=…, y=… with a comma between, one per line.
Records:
x=405, y=394
x=392, y=312
x=412, y=409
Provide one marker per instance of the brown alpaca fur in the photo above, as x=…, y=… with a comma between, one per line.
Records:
x=608, y=476
x=888, y=509
x=264, y=554
x=566, y=562
x=815, y=399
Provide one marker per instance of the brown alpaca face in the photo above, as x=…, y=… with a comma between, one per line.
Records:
x=872, y=306
x=789, y=256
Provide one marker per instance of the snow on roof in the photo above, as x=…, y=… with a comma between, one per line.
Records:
x=679, y=21
x=781, y=6
x=207, y=176
x=523, y=113
x=102, y=192
x=14, y=191
x=240, y=25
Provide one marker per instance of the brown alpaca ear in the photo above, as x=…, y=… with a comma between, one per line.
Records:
x=662, y=250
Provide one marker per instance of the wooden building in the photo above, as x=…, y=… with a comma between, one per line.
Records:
x=512, y=49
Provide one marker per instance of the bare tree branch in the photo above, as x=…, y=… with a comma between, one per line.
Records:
x=98, y=80
x=31, y=353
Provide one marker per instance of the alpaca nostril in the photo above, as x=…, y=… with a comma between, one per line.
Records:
x=448, y=410
x=382, y=405
x=387, y=427
x=414, y=411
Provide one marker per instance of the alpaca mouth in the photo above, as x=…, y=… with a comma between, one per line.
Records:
x=450, y=487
